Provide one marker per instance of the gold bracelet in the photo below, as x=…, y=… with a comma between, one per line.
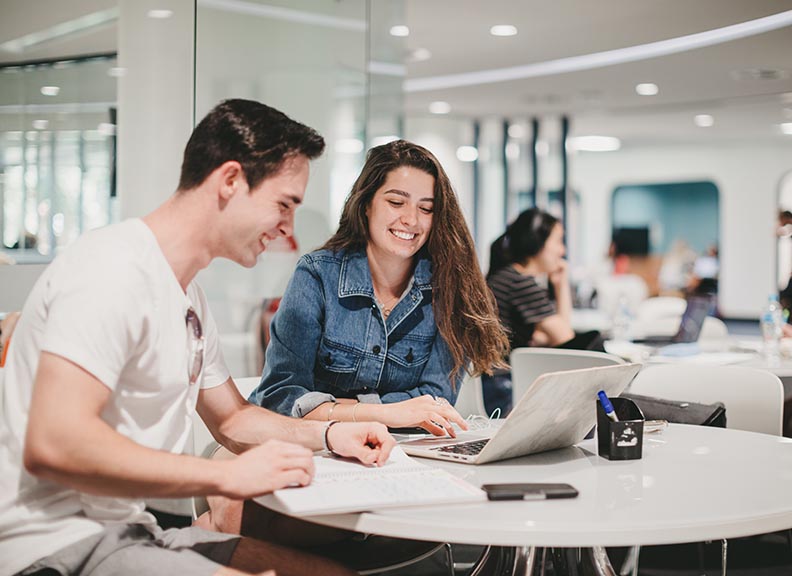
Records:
x=353, y=411
x=330, y=412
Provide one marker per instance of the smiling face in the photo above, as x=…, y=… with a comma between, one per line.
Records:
x=260, y=215
x=552, y=253
x=400, y=214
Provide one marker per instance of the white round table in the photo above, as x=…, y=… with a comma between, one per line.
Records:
x=693, y=483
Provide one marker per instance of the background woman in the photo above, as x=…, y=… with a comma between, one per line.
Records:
x=531, y=250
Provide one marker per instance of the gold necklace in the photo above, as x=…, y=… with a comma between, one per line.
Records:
x=386, y=310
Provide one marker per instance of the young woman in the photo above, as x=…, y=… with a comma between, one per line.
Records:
x=381, y=323
x=531, y=248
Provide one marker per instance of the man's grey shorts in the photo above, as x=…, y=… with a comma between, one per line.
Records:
x=131, y=549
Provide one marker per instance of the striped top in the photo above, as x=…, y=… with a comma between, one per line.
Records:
x=522, y=304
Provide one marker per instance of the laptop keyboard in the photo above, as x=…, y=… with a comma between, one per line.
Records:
x=467, y=448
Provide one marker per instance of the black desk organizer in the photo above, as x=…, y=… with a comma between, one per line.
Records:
x=622, y=440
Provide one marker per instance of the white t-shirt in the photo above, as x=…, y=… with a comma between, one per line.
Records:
x=112, y=305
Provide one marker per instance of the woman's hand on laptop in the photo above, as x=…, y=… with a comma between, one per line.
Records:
x=435, y=415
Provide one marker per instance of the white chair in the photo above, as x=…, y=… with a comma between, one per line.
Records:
x=470, y=400
x=660, y=307
x=612, y=290
x=754, y=399
x=533, y=362
x=203, y=445
x=713, y=329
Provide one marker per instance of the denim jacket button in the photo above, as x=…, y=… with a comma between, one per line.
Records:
x=376, y=349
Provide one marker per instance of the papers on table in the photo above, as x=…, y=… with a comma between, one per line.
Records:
x=342, y=485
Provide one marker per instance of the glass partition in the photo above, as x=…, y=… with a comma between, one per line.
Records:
x=57, y=148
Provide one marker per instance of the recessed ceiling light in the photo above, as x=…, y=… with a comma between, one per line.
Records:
x=400, y=31
x=703, y=120
x=40, y=124
x=50, y=90
x=786, y=128
x=503, y=30
x=439, y=107
x=349, y=146
x=159, y=14
x=595, y=143
x=647, y=89
x=467, y=154
x=420, y=55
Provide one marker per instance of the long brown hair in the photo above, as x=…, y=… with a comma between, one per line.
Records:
x=464, y=308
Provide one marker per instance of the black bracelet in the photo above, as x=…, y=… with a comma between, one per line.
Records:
x=327, y=439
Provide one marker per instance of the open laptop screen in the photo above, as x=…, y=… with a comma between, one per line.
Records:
x=693, y=319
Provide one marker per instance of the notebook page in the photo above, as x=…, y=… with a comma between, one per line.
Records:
x=347, y=486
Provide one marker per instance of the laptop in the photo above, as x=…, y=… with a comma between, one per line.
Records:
x=689, y=326
x=557, y=410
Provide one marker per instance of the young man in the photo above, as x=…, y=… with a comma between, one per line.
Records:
x=115, y=349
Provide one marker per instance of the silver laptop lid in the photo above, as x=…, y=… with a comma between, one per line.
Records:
x=557, y=410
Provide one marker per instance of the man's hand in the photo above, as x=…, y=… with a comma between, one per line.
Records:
x=268, y=467
x=369, y=442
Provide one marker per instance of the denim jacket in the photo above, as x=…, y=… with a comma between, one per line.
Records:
x=330, y=339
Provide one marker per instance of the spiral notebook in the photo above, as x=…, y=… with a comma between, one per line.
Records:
x=341, y=485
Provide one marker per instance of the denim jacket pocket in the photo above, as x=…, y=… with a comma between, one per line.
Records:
x=407, y=358
x=336, y=366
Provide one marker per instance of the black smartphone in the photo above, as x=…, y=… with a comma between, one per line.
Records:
x=529, y=491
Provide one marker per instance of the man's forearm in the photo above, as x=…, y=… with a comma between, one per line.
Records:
x=98, y=460
x=253, y=425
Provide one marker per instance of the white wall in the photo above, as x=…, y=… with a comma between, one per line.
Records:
x=747, y=177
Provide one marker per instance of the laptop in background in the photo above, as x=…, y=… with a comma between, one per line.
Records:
x=557, y=410
x=690, y=324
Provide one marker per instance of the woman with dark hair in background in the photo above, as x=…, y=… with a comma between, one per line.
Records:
x=532, y=247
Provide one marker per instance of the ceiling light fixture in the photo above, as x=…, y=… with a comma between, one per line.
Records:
x=786, y=128
x=40, y=124
x=50, y=90
x=159, y=14
x=703, y=120
x=419, y=55
x=606, y=58
x=647, y=89
x=467, y=154
x=503, y=30
x=439, y=107
x=595, y=143
x=400, y=31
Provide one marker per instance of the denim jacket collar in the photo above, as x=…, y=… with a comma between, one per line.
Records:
x=355, y=276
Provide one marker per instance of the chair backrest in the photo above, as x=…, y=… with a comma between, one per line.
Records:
x=611, y=289
x=712, y=329
x=530, y=363
x=659, y=307
x=754, y=399
x=203, y=445
x=470, y=400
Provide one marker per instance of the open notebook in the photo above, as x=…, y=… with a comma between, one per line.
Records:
x=345, y=486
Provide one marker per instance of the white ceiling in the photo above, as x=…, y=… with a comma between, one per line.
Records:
x=713, y=80
x=710, y=80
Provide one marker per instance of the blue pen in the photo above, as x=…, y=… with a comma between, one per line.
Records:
x=607, y=406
